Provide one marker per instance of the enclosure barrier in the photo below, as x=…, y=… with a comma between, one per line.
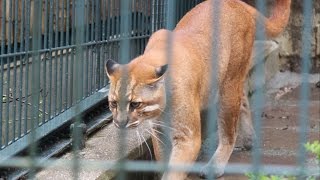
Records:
x=52, y=69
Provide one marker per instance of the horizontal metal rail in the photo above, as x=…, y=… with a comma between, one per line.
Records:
x=151, y=166
x=41, y=51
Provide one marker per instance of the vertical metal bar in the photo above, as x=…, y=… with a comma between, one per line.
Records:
x=27, y=40
x=135, y=12
x=56, y=62
x=161, y=13
x=144, y=15
x=158, y=5
x=92, y=20
x=170, y=15
x=105, y=32
x=304, y=93
x=97, y=76
x=258, y=98
x=91, y=61
x=79, y=25
x=66, y=92
x=164, y=14
x=50, y=46
x=87, y=39
x=158, y=13
x=45, y=33
x=124, y=58
x=140, y=23
x=153, y=16
x=35, y=89
x=21, y=67
x=44, y=79
x=14, y=89
x=110, y=29
x=8, y=74
x=104, y=18
x=61, y=68
x=91, y=47
x=140, y=26
x=73, y=40
x=214, y=104
x=118, y=21
x=109, y=18
x=3, y=37
x=56, y=26
x=179, y=10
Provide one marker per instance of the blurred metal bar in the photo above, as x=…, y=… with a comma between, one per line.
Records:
x=78, y=84
x=56, y=56
x=8, y=80
x=44, y=72
x=26, y=61
x=170, y=16
x=50, y=46
x=22, y=48
x=213, y=109
x=3, y=36
x=305, y=89
x=68, y=52
x=147, y=166
x=62, y=52
x=35, y=89
x=14, y=86
x=96, y=72
x=124, y=21
x=258, y=97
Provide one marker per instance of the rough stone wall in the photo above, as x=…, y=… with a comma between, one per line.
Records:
x=291, y=40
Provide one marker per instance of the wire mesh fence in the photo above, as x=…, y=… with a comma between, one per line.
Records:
x=53, y=55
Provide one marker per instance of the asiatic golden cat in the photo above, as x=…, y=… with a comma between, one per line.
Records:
x=138, y=89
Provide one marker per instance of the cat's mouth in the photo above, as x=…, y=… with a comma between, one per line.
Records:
x=133, y=124
x=129, y=125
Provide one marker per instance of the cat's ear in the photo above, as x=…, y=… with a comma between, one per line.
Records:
x=111, y=67
x=160, y=71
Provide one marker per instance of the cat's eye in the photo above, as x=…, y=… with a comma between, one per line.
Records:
x=113, y=104
x=135, y=105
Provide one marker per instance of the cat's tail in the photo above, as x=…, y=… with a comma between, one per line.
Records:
x=278, y=20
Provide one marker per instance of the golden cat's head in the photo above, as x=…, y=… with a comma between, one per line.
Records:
x=137, y=92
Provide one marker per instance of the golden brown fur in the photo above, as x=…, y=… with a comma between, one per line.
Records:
x=138, y=93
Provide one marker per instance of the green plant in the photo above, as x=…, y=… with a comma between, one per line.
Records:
x=252, y=176
x=314, y=148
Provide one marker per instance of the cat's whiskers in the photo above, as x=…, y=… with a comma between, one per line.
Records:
x=159, y=132
x=155, y=136
x=147, y=147
x=159, y=123
x=163, y=110
x=140, y=143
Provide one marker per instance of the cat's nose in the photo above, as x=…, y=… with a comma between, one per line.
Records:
x=121, y=123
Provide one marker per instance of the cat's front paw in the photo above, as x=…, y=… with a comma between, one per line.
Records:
x=209, y=171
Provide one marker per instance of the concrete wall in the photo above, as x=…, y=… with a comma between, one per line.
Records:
x=290, y=40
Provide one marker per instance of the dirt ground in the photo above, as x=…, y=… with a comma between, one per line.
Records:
x=280, y=129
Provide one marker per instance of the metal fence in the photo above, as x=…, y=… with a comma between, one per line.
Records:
x=52, y=69
x=38, y=60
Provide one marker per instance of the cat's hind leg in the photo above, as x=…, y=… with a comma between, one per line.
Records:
x=246, y=131
x=229, y=113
